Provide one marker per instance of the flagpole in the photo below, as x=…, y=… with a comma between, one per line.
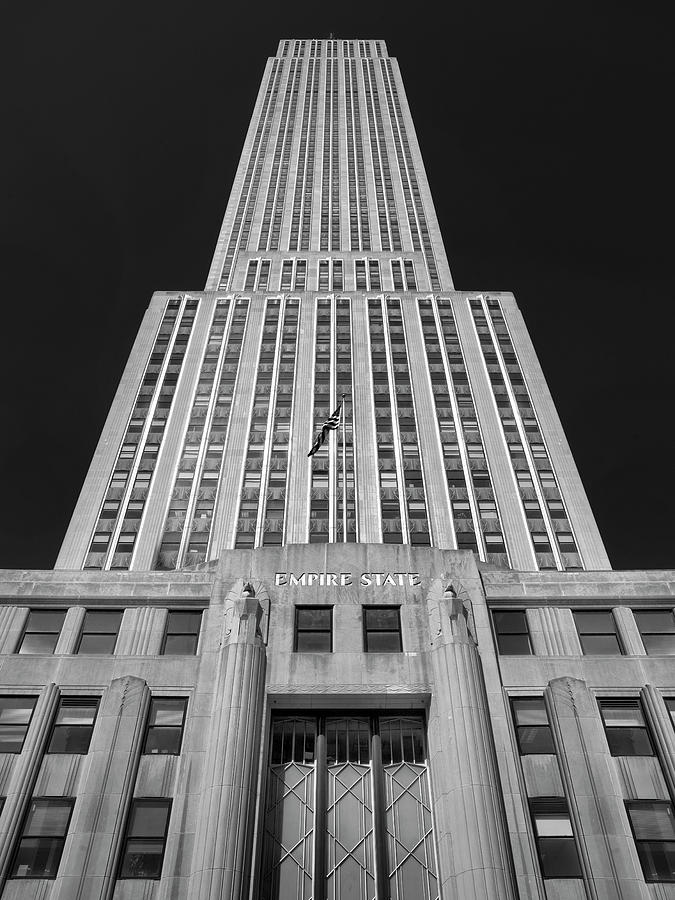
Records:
x=344, y=474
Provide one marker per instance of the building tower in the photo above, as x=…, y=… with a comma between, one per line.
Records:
x=399, y=668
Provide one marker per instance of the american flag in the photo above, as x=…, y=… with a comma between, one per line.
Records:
x=331, y=424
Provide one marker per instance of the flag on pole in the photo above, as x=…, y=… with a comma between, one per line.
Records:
x=331, y=424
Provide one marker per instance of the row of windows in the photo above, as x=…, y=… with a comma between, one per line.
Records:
x=100, y=629
x=597, y=632
x=313, y=631
x=74, y=721
x=330, y=275
x=332, y=48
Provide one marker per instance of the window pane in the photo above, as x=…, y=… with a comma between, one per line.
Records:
x=180, y=645
x=600, y=644
x=652, y=821
x=142, y=859
x=70, y=739
x=530, y=711
x=594, y=622
x=101, y=621
x=629, y=742
x=622, y=714
x=659, y=644
x=559, y=858
x=148, y=819
x=167, y=712
x=534, y=739
x=184, y=622
x=307, y=618
x=37, y=858
x=16, y=710
x=12, y=738
x=512, y=622
x=657, y=860
x=655, y=620
x=47, y=817
x=76, y=712
x=553, y=825
x=99, y=644
x=38, y=643
x=381, y=617
x=163, y=740
x=313, y=642
x=383, y=642
x=45, y=620
x=514, y=644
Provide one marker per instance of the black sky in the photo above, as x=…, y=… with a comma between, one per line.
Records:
x=545, y=129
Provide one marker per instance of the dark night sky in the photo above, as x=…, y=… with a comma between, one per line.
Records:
x=545, y=132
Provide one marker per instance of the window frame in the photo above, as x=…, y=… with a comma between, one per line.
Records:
x=561, y=813
x=297, y=632
x=629, y=804
x=376, y=607
x=613, y=732
x=167, y=634
x=498, y=634
x=32, y=697
x=541, y=727
x=27, y=630
x=647, y=634
x=66, y=701
x=128, y=837
x=84, y=632
x=150, y=727
x=579, y=614
x=64, y=801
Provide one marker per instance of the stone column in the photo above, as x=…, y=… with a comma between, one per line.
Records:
x=606, y=848
x=24, y=774
x=661, y=728
x=221, y=864
x=553, y=631
x=629, y=633
x=91, y=852
x=70, y=631
x=469, y=820
x=12, y=624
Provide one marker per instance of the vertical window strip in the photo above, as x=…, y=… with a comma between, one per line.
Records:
x=264, y=275
x=388, y=75
x=386, y=429
x=377, y=153
x=251, y=502
x=411, y=463
x=338, y=280
x=343, y=385
x=241, y=226
x=188, y=527
x=390, y=206
x=320, y=505
x=273, y=500
x=120, y=514
x=359, y=227
x=541, y=528
x=304, y=180
x=251, y=274
x=330, y=181
x=300, y=282
x=276, y=189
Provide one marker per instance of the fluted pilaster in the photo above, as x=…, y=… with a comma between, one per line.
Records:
x=553, y=632
x=91, y=853
x=661, y=727
x=70, y=631
x=629, y=633
x=607, y=850
x=222, y=857
x=472, y=835
x=27, y=766
x=141, y=632
x=12, y=622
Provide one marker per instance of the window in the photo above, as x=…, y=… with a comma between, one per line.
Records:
x=382, y=629
x=42, y=631
x=513, y=636
x=43, y=835
x=145, y=839
x=15, y=716
x=73, y=725
x=182, y=633
x=313, y=629
x=670, y=703
x=657, y=628
x=625, y=727
x=532, y=728
x=556, y=846
x=99, y=632
x=653, y=827
x=597, y=633
x=166, y=719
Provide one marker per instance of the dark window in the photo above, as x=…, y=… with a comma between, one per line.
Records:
x=99, y=632
x=15, y=716
x=313, y=629
x=670, y=703
x=657, y=628
x=74, y=725
x=145, y=839
x=382, y=629
x=182, y=633
x=653, y=827
x=513, y=636
x=164, y=733
x=43, y=835
x=625, y=727
x=532, y=727
x=42, y=631
x=556, y=846
x=597, y=633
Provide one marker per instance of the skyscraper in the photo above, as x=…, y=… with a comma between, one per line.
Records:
x=201, y=699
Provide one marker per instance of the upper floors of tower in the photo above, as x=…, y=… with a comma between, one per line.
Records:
x=330, y=165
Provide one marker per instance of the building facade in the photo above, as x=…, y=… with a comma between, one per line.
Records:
x=399, y=667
